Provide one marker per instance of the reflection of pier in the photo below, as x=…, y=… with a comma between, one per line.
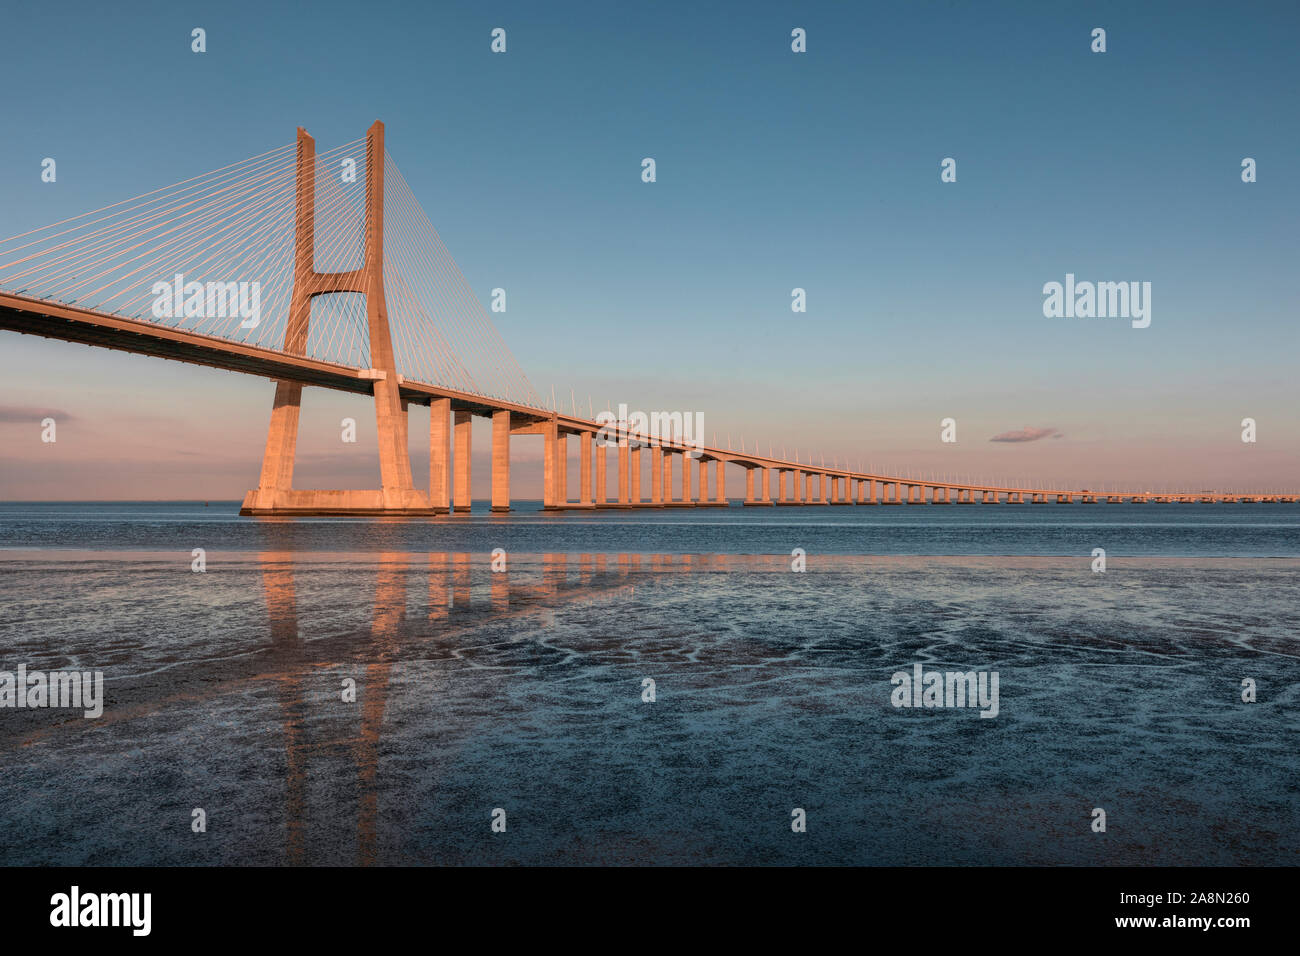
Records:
x=332, y=755
x=462, y=591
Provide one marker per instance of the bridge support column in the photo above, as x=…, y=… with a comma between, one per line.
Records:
x=657, y=475
x=686, y=478
x=562, y=470
x=464, y=423
x=767, y=486
x=501, y=461
x=749, y=486
x=720, y=483
x=636, y=475
x=624, y=472
x=281, y=444
x=703, y=466
x=584, y=468
x=602, y=452
x=550, y=463
x=397, y=488
x=440, y=455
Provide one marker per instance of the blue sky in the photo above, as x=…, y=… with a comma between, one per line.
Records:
x=775, y=170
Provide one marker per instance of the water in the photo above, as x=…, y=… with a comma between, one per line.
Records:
x=523, y=690
x=1187, y=530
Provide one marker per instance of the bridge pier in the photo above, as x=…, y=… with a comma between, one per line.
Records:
x=622, y=462
x=687, y=502
x=550, y=454
x=440, y=455
x=657, y=475
x=501, y=461
x=562, y=469
x=601, y=484
x=584, y=469
x=757, y=487
x=624, y=472
x=635, y=499
x=463, y=427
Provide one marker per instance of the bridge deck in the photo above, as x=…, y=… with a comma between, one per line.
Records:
x=72, y=324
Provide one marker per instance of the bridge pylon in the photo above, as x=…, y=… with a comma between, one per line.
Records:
x=275, y=494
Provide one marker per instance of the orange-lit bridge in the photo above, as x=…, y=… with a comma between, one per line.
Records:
x=299, y=268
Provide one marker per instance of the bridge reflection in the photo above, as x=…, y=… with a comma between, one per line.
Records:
x=461, y=590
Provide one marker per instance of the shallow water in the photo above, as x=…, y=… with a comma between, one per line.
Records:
x=523, y=691
x=1176, y=530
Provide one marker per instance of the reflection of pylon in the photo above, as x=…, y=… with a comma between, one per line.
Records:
x=275, y=493
x=386, y=617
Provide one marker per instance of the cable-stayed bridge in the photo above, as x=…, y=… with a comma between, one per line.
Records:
x=323, y=270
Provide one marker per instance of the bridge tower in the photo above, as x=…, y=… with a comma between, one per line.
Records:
x=275, y=494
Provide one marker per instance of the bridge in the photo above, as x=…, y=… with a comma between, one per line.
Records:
x=297, y=268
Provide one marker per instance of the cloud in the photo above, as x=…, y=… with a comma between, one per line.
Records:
x=1028, y=434
x=29, y=414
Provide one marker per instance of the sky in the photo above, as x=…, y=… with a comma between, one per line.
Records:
x=775, y=170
